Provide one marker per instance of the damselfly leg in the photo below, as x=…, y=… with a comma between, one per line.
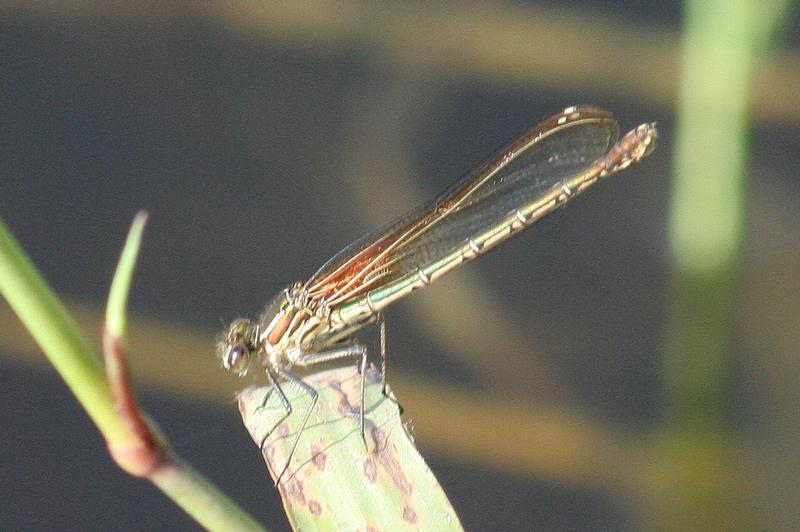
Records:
x=287, y=406
x=353, y=351
x=274, y=375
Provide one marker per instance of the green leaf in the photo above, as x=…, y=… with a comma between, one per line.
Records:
x=332, y=481
x=116, y=320
x=56, y=333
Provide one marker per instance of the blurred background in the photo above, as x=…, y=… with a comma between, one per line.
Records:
x=638, y=348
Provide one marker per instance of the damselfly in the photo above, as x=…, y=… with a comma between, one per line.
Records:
x=314, y=322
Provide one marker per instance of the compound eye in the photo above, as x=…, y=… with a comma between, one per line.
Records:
x=238, y=330
x=236, y=359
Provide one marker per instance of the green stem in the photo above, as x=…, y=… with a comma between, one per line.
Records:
x=723, y=42
x=55, y=333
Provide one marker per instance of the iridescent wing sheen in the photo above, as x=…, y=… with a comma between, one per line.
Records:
x=516, y=177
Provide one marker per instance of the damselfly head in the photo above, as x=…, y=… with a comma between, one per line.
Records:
x=237, y=347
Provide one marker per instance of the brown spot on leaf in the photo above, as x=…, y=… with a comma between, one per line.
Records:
x=283, y=430
x=370, y=470
x=345, y=407
x=373, y=375
x=315, y=508
x=387, y=458
x=292, y=488
x=319, y=457
x=269, y=453
x=409, y=515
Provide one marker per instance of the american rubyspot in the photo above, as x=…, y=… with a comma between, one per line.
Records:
x=313, y=322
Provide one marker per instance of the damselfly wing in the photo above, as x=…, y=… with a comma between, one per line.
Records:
x=310, y=323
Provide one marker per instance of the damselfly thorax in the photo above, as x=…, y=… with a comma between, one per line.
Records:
x=291, y=327
x=312, y=322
